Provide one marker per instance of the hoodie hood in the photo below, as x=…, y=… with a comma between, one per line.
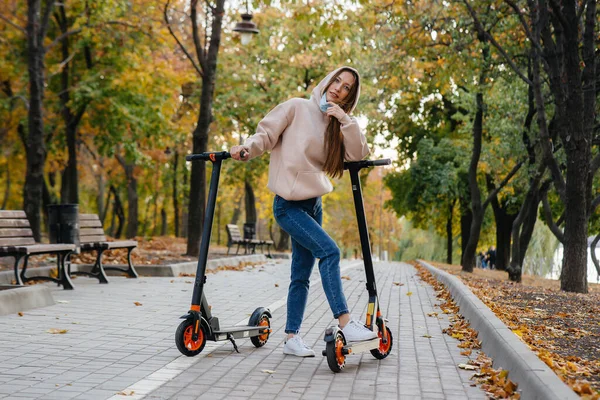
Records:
x=317, y=92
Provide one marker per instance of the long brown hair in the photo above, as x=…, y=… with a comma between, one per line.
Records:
x=334, y=140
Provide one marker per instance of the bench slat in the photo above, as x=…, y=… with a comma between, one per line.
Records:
x=12, y=214
x=14, y=223
x=84, y=217
x=122, y=244
x=15, y=232
x=90, y=224
x=37, y=248
x=16, y=241
x=90, y=231
x=92, y=239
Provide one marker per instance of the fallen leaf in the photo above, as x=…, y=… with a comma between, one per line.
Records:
x=62, y=301
x=125, y=393
x=346, y=277
x=432, y=314
x=20, y=314
x=277, y=285
x=428, y=336
x=55, y=331
x=398, y=284
x=137, y=303
x=268, y=371
x=409, y=293
x=466, y=352
x=467, y=367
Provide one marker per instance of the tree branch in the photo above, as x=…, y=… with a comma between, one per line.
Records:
x=558, y=14
x=524, y=23
x=196, y=67
x=8, y=21
x=549, y=220
x=593, y=205
x=506, y=179
x=200, y=53
x=45, y=20
x=489, y=36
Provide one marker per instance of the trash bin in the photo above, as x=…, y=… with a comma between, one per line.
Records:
x=249, y=230
x=63, y=223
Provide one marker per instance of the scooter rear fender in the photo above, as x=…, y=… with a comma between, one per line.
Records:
x=331, y=333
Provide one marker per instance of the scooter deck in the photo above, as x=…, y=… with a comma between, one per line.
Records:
x=361, y=347
x=239, y=332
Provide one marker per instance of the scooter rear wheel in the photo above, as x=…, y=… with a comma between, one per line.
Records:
x=336, y=359
x=384, y=349
x=183, y=338
x=261, y=340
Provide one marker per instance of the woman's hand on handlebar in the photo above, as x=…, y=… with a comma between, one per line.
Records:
x=240, y=153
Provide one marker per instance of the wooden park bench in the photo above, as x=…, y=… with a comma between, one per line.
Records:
x=92, y=238
x=250, y=244
x=235, y=238
x=16, y=240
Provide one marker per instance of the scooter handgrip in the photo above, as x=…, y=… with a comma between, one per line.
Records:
x=383, y=161
x=196, y=157
x=208, y=156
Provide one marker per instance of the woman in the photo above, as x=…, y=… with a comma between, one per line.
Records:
x=308, y=139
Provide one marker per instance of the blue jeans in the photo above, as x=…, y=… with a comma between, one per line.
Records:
x=302, y=221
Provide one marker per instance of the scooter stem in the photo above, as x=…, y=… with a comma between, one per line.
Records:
x=362, y=228
x=206, y=234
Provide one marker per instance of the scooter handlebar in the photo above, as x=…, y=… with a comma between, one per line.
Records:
x=211, y=156
x=367, y=163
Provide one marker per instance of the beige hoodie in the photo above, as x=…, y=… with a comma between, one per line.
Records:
x=294, y=132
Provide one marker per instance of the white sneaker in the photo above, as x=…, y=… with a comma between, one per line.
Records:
x=296, y=347
x=355, y=331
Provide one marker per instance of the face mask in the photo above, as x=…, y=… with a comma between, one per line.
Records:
x=323, y=105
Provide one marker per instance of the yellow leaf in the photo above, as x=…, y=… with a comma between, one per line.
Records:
x=409, y=294
x=55, y=331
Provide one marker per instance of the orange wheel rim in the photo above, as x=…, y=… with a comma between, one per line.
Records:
x=264, y=322
x=189, y=343
x=384, y=347
x=339, y=355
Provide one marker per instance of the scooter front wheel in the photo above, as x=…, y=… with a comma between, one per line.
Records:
x=264, y=321
x=336, y=359
x=384, y=349
x=184, y=338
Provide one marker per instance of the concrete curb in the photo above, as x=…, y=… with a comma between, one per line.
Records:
x=22, y=298
x=536, y=380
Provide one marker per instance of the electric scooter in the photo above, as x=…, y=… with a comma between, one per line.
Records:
x=336, y=347
x=199, y=324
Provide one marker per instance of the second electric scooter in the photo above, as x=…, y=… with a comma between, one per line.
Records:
x=199, y=324
x=336, y=347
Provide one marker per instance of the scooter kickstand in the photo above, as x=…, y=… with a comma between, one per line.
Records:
x=230, y=337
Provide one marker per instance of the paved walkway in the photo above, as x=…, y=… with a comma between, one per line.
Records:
x=115, y=349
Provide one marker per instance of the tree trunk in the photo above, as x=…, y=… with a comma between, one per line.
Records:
x=117, y=212
x=132, y=197
x=577, y=141
x=449, y=232
x=504, y=222
x=250, y=202
x=164, y=225
x=37, y=23
x=466, y=218
x=468, y=259
x=175, y=199
x=200, y=137
x=7, y=187
x=185, y=207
